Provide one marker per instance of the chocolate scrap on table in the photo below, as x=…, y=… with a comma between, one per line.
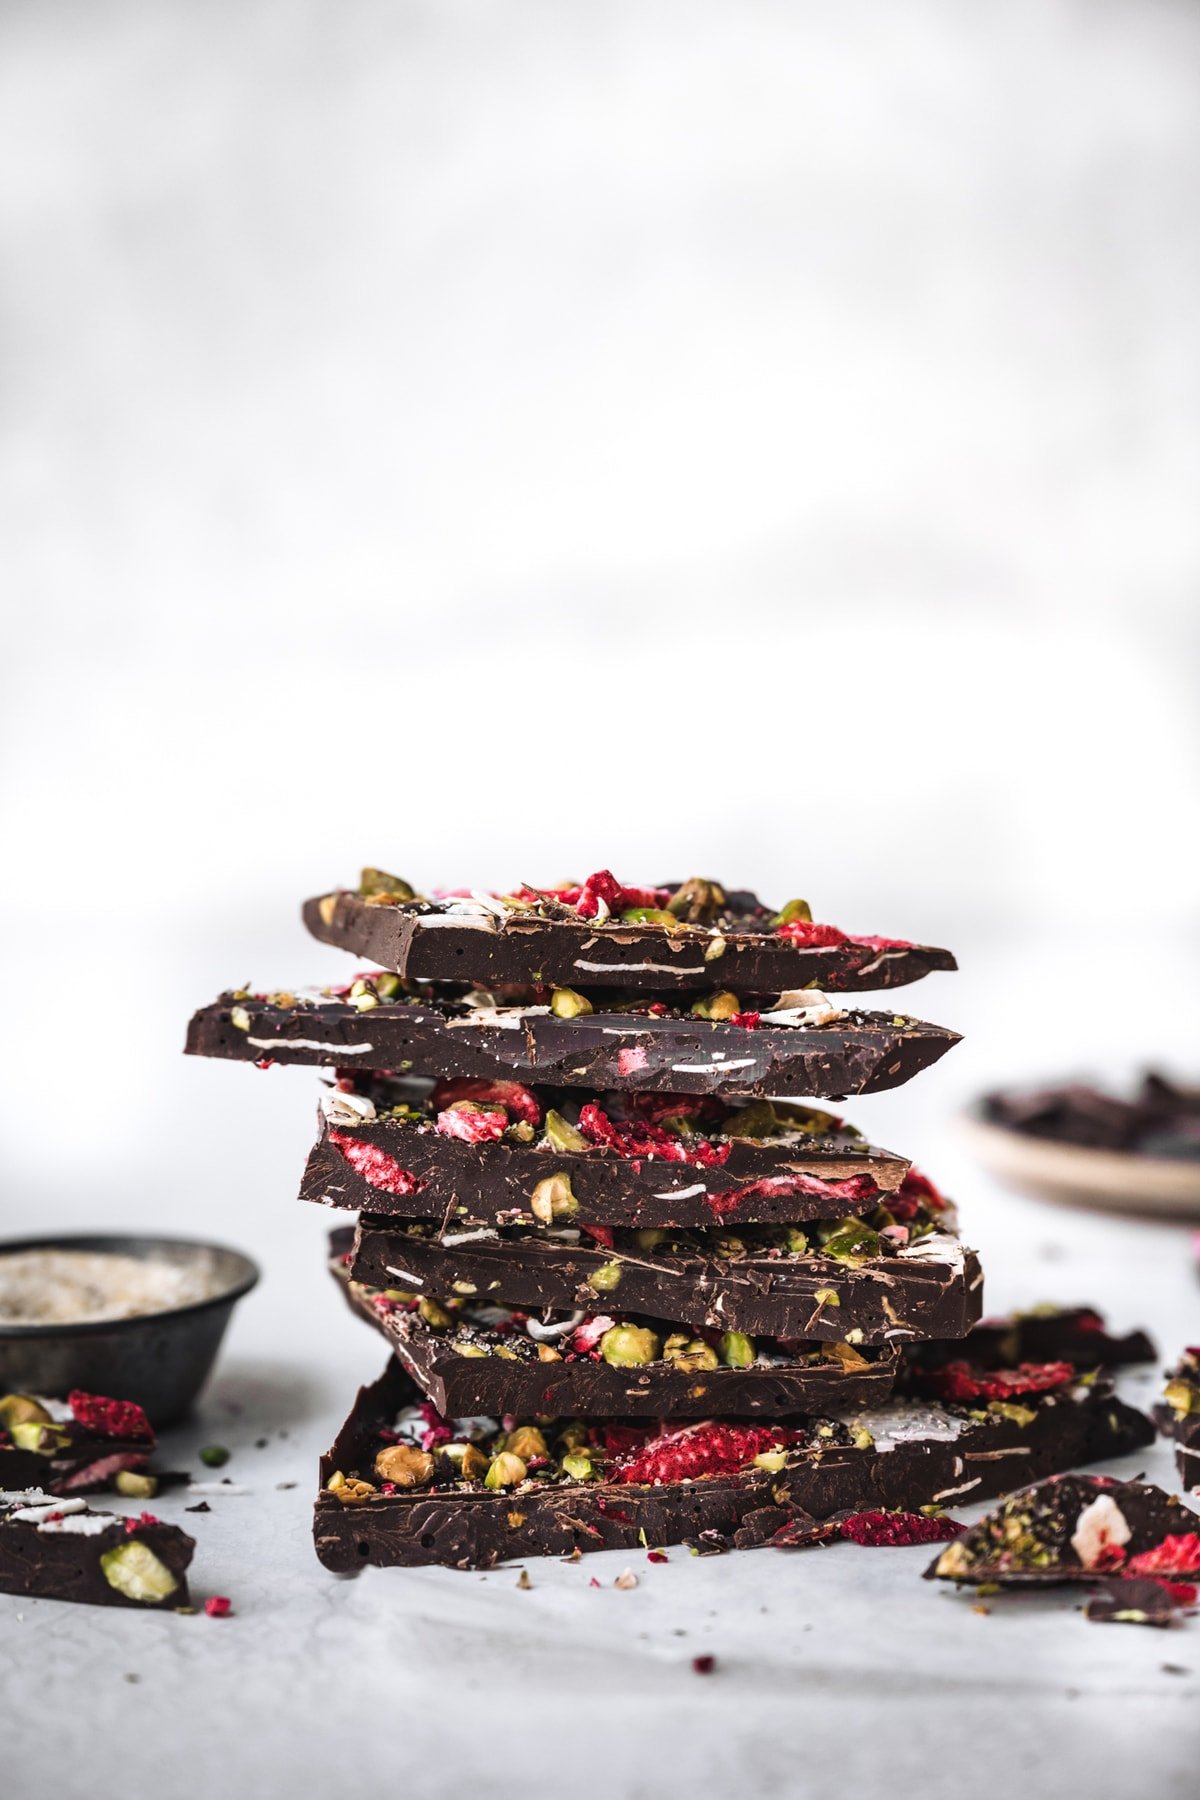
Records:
x=502, y=1153
x=1163, y=1119
x=402, y=1486
x=78, y=1445
x=1178, y=1416
x=890, y=1527
x=828, y=1280
x=1133, y=1602
x=57, y=1548
x=600, y=933
x=473, y=1356
x=807, y=1046
x=1079, y=1528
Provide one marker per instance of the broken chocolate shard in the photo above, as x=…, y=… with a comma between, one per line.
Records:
x=1178, y=1416
x=660, y=1052
x=47, y=1443
x=930, y=1288
x=492, y=941
x=388, y=1147
x=1131, y=1603
x=1077, y=1528
x=480, y=1358
x=1074, y=1334
x=57, y=1548
x=896, y=1456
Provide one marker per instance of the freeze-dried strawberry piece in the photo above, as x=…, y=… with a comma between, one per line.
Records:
x=604, y=886
x=878, y=943
x=749, y=1021
x=100, y=1473
x=521, y=1102
x=700, y=1109
x=603, y=1234
x=375, y=1165
x=1176, y=1555
x=472, y=1124
x=961, y=1381
x=648, y=1140
x=841, y=1194
x=218, y=1606
x=809, y=933
x=879, y=1528
x=915, y=1191
x=109, y=1418
x=586, y=1336
x=699, y=1450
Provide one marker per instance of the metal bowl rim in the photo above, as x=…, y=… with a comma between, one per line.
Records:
x=136, y=1244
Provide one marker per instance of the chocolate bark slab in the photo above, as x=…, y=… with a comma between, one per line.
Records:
x=44, y=1444
x=930, y=1289
x=919, y=1456
x=857, y=1053
x=369, y=1160
x=53, y=1548
x=1074, y=1334
x=508, y=1376
x=1178, y=1415
x=490, y=944
x=1076, y=1528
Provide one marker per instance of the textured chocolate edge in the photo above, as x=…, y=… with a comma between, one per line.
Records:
x=1034, y=1337
x=1151, y=1514
x=66, y=1565
x=529, y=950
x=479, y=1530
x=598, y=1050
x=464, y=1387
x=893, y=1298
x=492, y=1183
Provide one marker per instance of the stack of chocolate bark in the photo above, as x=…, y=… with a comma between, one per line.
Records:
x=631, y=1296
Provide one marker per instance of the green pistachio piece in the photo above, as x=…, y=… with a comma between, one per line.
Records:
x=1008, y=1409
x=239, y=1018
x=134, y=1570
x=134, y=1485
x=1182, y=1398
x=757, y=1120
x=696, y=902
x=22, y=1409
x=504, y=1470
x=862, y=1437
x=737, y=1350
x=649, y=1237
x=578, y=1465
x=388, y=985
x=552, y=1199
x=43, y=1440
x=434, y=1313
x=527, y=1442
x=562, y=1134
x=649, y=915
x=376, y=884
x=828, y=1296
x=852, y=1242
x=625, y=1346
x=721, y=1005
x=574, y=1435
x=471, y=1350
x=793, y=911
x=214, y=1456
x=604, y=1279
x=690, y=1355
x=565, y=1003
x=771, y=1460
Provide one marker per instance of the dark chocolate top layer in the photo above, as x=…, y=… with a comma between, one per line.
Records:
x=841, y=1278
x=646, y=945
x=472, y=1357
x=666, y=1051
x=626, y=1485
x=502, y=1153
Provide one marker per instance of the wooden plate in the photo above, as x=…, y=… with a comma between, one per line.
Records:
x=1113, y=1180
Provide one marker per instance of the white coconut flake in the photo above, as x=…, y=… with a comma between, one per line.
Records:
x=687, y=1193
x=485, y=1234
x=218, y=1487
x=404, y=1275
x=34, y=1515
x=803, y=1006
x=67, y=1287
x=541, y=1333
x=87, y=1524
x=705, y=1068
x=640, y=968
x=1099, y=1525
x=341, y=1108
x=291, y=1043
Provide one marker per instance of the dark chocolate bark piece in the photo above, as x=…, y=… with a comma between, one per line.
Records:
x=1178, y=1415
x=932, y=1288
x=672, y=1052
x=898, y=1456
x=1077, y=1528
x=1074, y=1334
x=72, y=1446
x=1162, y=1119
x=385, y=1149
x=486, y=941
x=1131, y=1603
x=484, y=1359
x=56, y=1548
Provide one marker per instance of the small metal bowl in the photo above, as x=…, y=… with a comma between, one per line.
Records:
x=159, y=1359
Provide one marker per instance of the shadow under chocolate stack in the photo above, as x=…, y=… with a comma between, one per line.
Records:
x=631, y=1296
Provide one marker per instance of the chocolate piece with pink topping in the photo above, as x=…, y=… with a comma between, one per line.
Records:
x=403, y=1486
x=502, y=1153
x=602, y=934
x=56, y=1548
x=72, y=1446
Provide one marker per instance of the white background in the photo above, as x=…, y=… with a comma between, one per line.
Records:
x=499, y=441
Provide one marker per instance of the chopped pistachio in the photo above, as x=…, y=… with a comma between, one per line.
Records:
x=795, y=910
x=604, y=1279
x=758, y=1120
x=404, y=1465
x=377, y=884
x=239, y=1018
x=527, y=1442
x=22, y=1409
x=565, y=1003
x=505, y=1470
x=552, y=1198
x=721, y=1005
x=434, y=1313
x=562, y=1134
x=737, y=1350
x=214, y=1456
x=828, y=1296
x=134, y=1485
x=649, y=915
x=625, y=1346
x=578, y=1465
x=474, y=1465
x=696, y=902
x=134, y=1570
x=771, y=1460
